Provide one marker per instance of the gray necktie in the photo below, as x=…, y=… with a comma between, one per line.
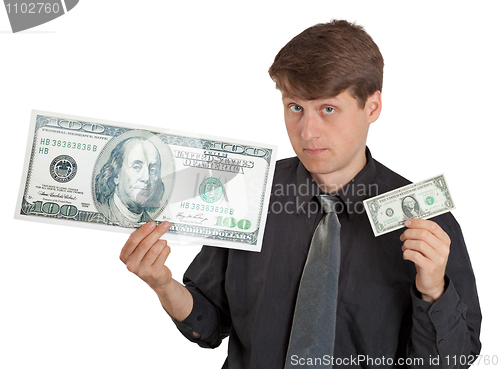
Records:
x=313, y=328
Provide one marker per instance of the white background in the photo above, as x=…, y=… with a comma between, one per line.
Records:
x=66, y=299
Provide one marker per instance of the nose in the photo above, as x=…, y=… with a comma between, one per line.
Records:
x=311, y=126
x=144, y=175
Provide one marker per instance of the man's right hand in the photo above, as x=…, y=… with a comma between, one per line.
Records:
x=145, y=254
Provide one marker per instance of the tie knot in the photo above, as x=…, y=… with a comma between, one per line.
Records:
x=328, y=202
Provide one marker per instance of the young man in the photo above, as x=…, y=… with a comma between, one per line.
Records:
x=405, y=298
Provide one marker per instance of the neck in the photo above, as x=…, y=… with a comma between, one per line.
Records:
x=333, y=182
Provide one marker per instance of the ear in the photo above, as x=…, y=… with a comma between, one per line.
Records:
x=373, y=106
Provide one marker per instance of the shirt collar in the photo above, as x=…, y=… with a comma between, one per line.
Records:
x=360, y=188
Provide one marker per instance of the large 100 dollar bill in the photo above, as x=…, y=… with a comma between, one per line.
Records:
x=426, y=199
x=100, y=174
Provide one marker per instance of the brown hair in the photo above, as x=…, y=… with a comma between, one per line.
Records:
x=327, y=59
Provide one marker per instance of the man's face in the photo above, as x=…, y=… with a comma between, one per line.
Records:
x=139, y=175
x=410, y=204
x=329, y=135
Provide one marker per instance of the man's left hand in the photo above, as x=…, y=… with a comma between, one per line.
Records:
x=428, y=246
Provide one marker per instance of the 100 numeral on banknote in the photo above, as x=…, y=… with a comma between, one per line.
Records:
x=94, y=173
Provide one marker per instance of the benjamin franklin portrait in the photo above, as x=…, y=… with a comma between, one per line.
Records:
x=130, y=185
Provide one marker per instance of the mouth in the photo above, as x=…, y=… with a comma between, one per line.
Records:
x=143, y=196
x=314, y=151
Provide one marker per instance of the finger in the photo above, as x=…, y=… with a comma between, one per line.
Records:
x=419, y=234
x=162, y=257
x=157, y=273
x=422, y=248
x=147, y=242
x=428, y=225
x=442, y=247
x=417, y=258
x=134, y=239
x=424, y=236
x=153, y=253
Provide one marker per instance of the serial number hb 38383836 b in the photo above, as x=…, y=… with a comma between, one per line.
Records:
x=68, y=144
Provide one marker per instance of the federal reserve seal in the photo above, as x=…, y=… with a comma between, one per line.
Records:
x=63, y=168
x=211, y=189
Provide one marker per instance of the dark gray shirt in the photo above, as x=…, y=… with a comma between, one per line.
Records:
x=381, y=320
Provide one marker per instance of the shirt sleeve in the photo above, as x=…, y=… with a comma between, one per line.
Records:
x=445, y=334
x=205, y=280
x=202, y=320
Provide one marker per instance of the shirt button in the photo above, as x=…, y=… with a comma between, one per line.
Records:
x=420, y=308
x=434, y=312
x=199, y=318
x=440, y=342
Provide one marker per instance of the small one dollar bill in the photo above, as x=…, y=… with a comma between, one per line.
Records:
x=426, y=199
x=116, y=176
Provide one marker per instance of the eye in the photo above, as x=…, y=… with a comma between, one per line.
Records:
x=137, y=167
x=328, y=110
x=154, y=171
x=295, y=108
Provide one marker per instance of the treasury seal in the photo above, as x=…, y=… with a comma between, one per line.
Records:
x=63, y=168
x=211, y=189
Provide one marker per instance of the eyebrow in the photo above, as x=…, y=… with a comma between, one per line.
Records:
x=284, y=96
